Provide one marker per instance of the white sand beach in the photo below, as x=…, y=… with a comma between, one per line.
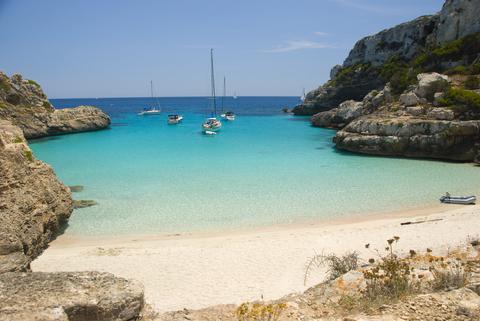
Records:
x=195, y=271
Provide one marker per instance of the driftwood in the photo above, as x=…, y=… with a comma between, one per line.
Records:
x=419, y=222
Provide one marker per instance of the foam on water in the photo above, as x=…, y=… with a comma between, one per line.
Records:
x=265, y=168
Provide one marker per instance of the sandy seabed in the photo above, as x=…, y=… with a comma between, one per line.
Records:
x=198, y=270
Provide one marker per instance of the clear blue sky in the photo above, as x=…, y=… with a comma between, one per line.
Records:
x=112, y=48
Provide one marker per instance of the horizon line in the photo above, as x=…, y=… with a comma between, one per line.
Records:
x=123, y=97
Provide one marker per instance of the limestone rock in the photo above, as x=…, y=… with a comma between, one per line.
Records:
x=339, y=117
x=335, y=71
x=409, y=99
x=414, y=111
x=441, y=114
x=79, y=296
x=458, y=18
x=33, y=203
x=431, y=83
x=24, y=104
x=411, y=137
x=78, y=119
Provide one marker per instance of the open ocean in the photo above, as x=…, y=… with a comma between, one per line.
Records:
x=264, y=168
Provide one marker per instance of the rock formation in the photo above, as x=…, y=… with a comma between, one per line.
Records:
x=458, y=18
x=33, y=203
x=23, y=103
x=33, y=206
x=79, y=296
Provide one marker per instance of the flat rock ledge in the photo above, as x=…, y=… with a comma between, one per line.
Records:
x=77, y=119
x=69, y=296
x=411, y=137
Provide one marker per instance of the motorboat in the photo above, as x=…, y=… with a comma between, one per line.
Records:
x=174, y=119
x=229, y=115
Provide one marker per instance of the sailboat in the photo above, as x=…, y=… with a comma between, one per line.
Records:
x=235, y=95
x=150, y=111
x=303, y=97
x=212, y=124
x=229, y=115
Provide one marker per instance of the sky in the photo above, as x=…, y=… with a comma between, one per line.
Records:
x=113, y=48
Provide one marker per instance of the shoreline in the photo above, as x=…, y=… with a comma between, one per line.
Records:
x=420, y=211
x=239, y=267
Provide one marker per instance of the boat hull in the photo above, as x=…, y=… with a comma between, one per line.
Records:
x=463, y=200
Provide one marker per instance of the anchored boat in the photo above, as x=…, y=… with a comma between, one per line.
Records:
x=212, y=124
x=229, y=115
x=464, y=200
x=150, y=111
x=174, y=119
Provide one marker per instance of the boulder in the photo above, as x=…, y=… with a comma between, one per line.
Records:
x=340, y=116
x=33, y=202
x=414, y=111
x=431, y=83
x=78, y=296
x=409, y=99
x=441, y=114
x=437, y=97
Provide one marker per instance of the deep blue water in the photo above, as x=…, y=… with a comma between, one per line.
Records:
x=264, y=168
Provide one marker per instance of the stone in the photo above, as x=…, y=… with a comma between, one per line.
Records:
x=66, y=296
x=334, y=71
x=76, y=188
x=83, y=203
x=409, y=99
x=437, y=97
x=339, y=117
x=33, y=203
x=441, y=114
x=431, y=83
x=414, y=111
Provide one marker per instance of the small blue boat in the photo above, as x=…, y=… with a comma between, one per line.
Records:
x=464, y=200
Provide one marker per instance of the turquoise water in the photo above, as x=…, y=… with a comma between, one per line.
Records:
x=265, y=168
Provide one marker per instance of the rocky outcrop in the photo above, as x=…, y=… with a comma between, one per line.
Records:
x=78, y=119
x=73, y=296
x=23, y=103
x=458, y=18
x=33, y=203
x=411, y=137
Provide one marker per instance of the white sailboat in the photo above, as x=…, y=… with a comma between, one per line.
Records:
x=212, y=124
x=303, y=97
x=229, y=115
x=235, y=95
x=150, y=111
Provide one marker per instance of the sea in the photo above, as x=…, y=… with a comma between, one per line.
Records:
x=265, y=168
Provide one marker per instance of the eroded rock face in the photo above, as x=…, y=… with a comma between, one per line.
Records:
x=72, y=296
x=33, y=203
x=339, y=117
x=24, y=104
x=411, y=137
x=431, y=83
x=458, y=18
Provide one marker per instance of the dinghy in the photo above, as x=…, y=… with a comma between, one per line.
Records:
x=464, y=200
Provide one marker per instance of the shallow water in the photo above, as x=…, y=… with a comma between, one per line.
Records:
x=265, y=168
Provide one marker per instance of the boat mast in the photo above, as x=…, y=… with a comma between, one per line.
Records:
x=212, y=77
x=224, y=90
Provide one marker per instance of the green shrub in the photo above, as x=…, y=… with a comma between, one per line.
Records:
x=18, y=140
x=4, y=85
x=29, y=155
x=472, y=82
x=457, y=97
x=33, y=82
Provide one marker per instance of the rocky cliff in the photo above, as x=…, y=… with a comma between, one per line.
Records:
x=33, y=203
x=33, y=207
x=23, y=103
x=362, y=70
